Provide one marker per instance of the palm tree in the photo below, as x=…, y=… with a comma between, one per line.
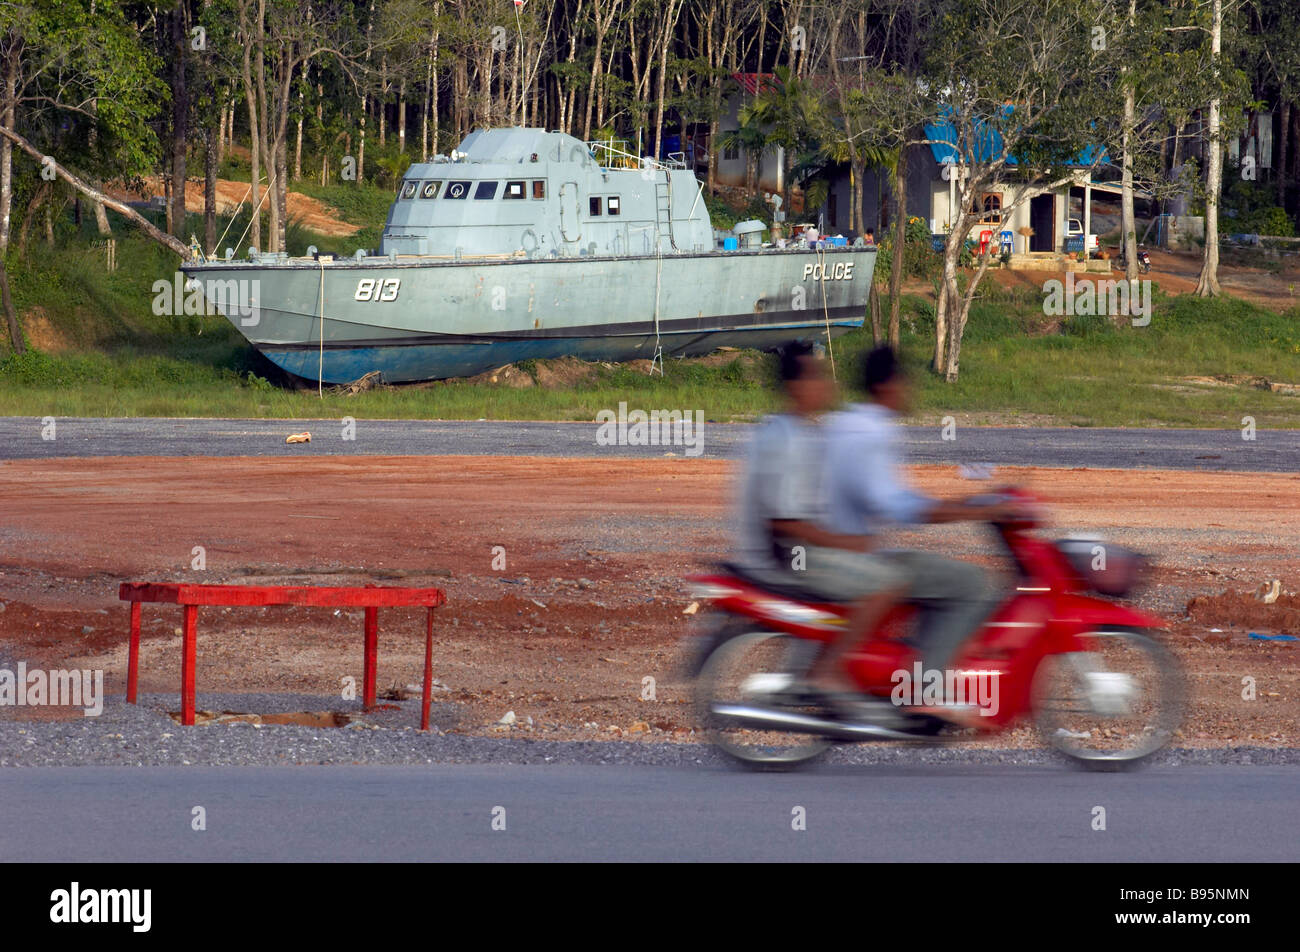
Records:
x=783, y=108
x=751, y=140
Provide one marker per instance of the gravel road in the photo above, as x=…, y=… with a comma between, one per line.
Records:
x=1276, y=451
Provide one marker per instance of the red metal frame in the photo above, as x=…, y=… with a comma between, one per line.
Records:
x=190, y=597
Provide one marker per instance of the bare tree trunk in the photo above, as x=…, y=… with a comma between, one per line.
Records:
x=12, y=52
x=95, y=194
x=1284, y=132
x=1127, y=218
x=877, y=332
x=900, y=235
x=274, y=230
x=11, y=316
x=210, y=137
x=255, y=135
x=1208, y=284
x=24, y=230
x=401, y=116
x=180, y=120
x=297, y=149
x=381, y=102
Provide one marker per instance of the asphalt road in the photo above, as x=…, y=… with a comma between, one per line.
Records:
x=24, y=438
x=568, y=812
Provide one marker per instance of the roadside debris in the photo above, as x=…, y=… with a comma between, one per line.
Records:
x=1269, y=591
x=303, y=437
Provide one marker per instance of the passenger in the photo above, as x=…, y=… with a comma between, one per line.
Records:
x=781, y=539
x=867, y=492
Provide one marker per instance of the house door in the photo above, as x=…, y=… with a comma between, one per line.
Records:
x=1042, y=218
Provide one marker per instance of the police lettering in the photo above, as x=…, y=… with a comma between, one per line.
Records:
x=838, y=271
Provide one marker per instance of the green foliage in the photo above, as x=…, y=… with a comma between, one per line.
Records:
x=1247, y=207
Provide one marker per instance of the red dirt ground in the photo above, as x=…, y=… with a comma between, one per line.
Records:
x=590, y=602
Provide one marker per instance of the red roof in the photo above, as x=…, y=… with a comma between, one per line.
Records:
x=752, y=82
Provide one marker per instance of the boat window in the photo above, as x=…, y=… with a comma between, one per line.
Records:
x=456, y=190
x=408, y=189
x=539, y=188
x=514, y=190
x=485, y=190
x=612, y=205
x=430, y=189
x=593, y=204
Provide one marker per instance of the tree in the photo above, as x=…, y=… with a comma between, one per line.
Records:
x=1207, y=285
x=1022, y=117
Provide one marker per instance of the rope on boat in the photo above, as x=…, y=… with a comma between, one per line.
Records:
x=658, y=358
x=830, y=351
x=320, y=363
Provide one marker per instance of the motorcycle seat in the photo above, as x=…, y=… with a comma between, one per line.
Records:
x=784, y=590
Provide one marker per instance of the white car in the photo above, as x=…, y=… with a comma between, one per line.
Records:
x=1074, y=229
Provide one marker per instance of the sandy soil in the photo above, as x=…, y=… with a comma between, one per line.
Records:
x=590, y=602
x=313, y=213
x=1241, y=273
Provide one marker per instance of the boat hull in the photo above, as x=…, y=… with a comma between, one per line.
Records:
x=420, y=319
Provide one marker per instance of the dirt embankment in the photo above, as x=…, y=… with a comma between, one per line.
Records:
x=313, y=213
x=589, y=601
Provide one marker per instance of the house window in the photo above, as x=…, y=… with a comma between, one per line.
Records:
x=456, y=190
x=613, y=205
x=485, y=191
x=991, y=208
x=514, y=190
x=430, y=189
x=731, y=152
x=408, y=189
x=593, y=205
x=539, y=188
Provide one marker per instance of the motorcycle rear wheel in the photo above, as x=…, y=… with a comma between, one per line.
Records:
x=1112, y=707
x=734, y=673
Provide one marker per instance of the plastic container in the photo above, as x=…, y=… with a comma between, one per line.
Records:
x=730, y=243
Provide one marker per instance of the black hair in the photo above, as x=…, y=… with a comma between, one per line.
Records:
x=790, y=360
x=879, y=367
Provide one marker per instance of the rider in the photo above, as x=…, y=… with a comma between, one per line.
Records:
x=783, y=539
x=866, y=492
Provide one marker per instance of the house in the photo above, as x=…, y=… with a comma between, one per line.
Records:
x=733, y=163
x=933, y=175
x=932, y=179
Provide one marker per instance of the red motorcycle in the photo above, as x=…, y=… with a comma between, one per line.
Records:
x=1100, y=688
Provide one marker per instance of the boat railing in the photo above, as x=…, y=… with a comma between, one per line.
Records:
x=615, y=154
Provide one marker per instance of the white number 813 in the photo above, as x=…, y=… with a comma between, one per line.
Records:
x=378, y=289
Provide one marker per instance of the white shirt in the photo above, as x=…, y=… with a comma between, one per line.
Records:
x=863, y=479
x=781, y=480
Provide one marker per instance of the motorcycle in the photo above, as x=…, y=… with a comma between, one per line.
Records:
x=1099, y=686
x=1143, y=260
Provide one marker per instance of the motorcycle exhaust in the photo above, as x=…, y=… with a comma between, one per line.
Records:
x=766, y=718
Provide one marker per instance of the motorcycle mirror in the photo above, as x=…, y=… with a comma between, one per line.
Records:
x=976, y=470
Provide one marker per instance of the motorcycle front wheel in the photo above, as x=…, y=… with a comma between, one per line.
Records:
x=1113, y=706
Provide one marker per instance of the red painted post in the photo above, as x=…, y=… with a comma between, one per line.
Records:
x=133, y=654
x=187, y=665
x=372, y=642
x=428, y=670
